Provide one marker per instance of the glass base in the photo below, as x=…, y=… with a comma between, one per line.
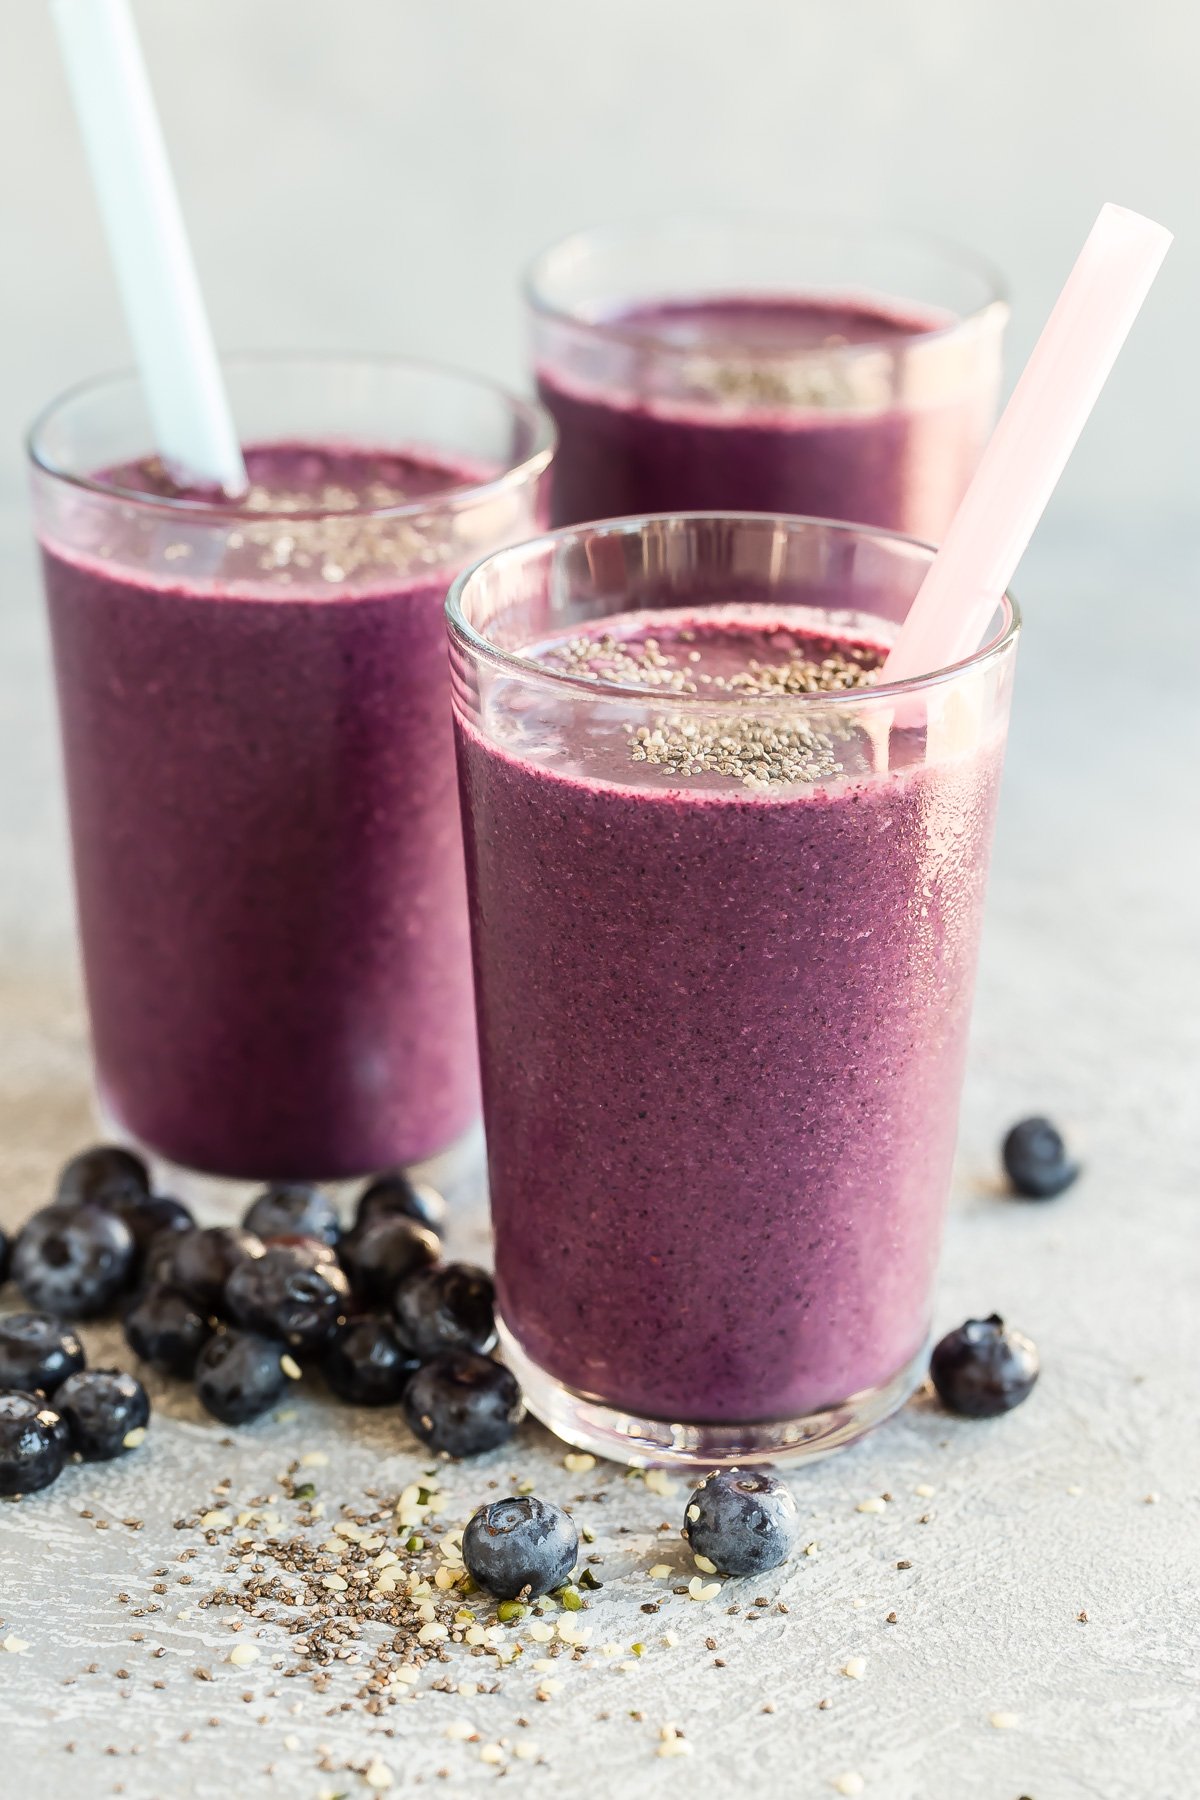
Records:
x=222, y=1200
x=589, y=1424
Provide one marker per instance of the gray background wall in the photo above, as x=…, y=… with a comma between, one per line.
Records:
x=373, y=174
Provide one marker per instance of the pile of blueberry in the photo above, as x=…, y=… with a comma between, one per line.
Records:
x=51, y=1405
x=240, y=1309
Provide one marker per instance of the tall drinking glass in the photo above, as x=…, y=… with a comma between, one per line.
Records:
x=726, y=894
x=766, y=364
x=257, y=741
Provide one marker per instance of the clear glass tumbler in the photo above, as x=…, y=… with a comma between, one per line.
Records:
x=725, y=901
x=256, y=732
x=766, y=364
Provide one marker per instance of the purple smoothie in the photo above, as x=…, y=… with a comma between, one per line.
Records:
x=709, y=414
x=267, y=851
x=722, y=1032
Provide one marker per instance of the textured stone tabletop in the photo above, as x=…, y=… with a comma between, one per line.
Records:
x=1021, y=1611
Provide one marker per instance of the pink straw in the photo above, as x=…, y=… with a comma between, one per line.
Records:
x=1030, y=446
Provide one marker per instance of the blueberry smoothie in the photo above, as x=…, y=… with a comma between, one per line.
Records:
x=838, y=408
x=724, y=973
x=266, y=843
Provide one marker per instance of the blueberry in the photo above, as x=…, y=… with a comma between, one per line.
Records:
x=397, y=1195
x=199, y=1262
x=73, y=1260
x=33, y=1444
x=366, y=1364
x=983, y=1368
x=102, y=1175
x=149, y=1217
x=449, y=1308
x=1036, y=1160
x=167, y=1330
x=37, y=1352
x=520, y=1548
x=239, y=1375
x=294, y=1210
x=100, y=1407
x=378, y=1257
x=463, y=1403
x=741, y=1521
x=289, y=1292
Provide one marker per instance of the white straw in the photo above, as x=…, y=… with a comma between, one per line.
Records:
x=1029, y=448
x=193, y=427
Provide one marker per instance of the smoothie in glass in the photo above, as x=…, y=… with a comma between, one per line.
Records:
x=726, y=916
x=767, y=366
x=259, y=762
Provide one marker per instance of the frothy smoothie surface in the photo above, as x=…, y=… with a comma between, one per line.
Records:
x=266, y=841
x=723, y=992
x=758, y=404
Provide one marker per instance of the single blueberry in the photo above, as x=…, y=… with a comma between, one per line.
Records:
x=378, y=1257
x=741, y=1521
x=73, y=1260
x=100, y=1407
x=239, y=1375
x=150, y=1217
x=199, y=1262
x=366, y=1364
x=397, y=1195
x=33, y=1444
x=463, y=1403
x=983, y=1368
x=293, y=1211
x=167, y=1330
x=520, y=1548
x=1036, y=1160
x=37, y=1352
x=447, y=1308
x=101, y=1175
x=289, y=1292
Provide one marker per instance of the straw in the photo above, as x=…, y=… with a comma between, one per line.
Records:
x=1029, y=448
x=189, y=409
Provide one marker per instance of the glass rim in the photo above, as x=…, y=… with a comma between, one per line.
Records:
x=473, y=640
x=542, y=432
x=958, y=255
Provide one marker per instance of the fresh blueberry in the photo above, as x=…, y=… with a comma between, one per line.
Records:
x=167, y=1330
x=73, y=1260
x=463, y=1403
x=289, y=1292
x=199, y=1262
x=316, y=1249
x=294, y=1211
x=379, y=1256
x=33, y=1444
x=741, y=1521
x=150, y=1217
x=1036, y=1160
x=520, y=1548
x=397, y=1195
x=102, y=1175
x=37, y=1352
x=239, y=1375
x=100, y=1407
x=448, y=1308
x=983, y=1368
x=366, y=1364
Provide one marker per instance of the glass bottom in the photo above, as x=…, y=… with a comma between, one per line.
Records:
x=222, y=1200
x=586, y=1422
